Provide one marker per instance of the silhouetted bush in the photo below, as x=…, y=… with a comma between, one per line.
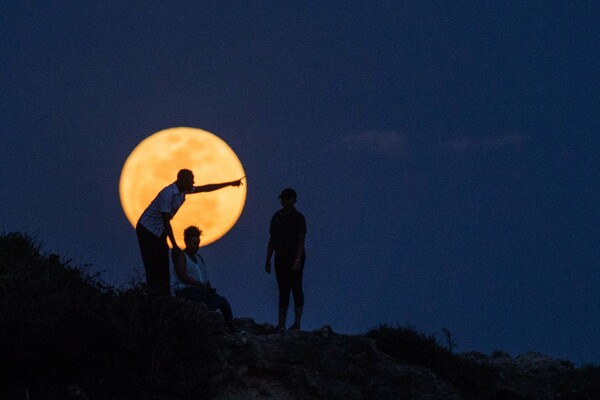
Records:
x=476, y=380
x=63, y=332
x=471, y=379
x=410, y=346
x=581, y=384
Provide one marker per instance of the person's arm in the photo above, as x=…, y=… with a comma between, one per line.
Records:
x=215, y=186
x=169, y=230
x=299, y=252
x=179, y=263
x=269, y=255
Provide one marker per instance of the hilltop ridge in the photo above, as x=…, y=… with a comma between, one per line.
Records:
x=66, y=335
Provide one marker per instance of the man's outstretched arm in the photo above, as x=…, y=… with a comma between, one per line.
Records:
x=216, y=186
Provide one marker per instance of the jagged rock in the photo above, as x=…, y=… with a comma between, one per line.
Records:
x=538, y=364
x=529, y=363
x=317, y=365
x=530, y=375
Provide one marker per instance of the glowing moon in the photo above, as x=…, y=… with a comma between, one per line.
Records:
x=154, y=164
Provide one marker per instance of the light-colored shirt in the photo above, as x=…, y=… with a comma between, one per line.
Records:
x=195, y=270
x=168, y=201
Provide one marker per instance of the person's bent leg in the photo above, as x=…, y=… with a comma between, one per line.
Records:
x=213, y=303
x=194, y=294
x=222, y=304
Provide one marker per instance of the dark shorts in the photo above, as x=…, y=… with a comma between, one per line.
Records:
x=213, y=302
x=288, y=281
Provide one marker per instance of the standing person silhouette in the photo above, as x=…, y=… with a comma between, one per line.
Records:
x=286, y=240
x=154, y=226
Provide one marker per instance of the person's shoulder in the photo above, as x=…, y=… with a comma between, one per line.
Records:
x=298, y=213
x=300, y=221
x=172, y=188
x=167, y=190
x=277, y=214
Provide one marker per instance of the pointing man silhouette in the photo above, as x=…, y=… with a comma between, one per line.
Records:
x=154, y=227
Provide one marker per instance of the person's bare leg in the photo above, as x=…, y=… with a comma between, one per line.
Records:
x=282, y=318
x=297, y=319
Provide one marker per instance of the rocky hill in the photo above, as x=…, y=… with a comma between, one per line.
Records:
x=318, y=365
x=65, y=335
x=325, y=365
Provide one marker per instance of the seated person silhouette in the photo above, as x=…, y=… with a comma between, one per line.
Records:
x=190, y=277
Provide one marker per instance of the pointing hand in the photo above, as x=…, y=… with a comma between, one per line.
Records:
x=237, y=183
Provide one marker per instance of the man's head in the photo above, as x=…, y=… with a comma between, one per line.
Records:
x=185, y=180
x=191, y=237
x=288, y=197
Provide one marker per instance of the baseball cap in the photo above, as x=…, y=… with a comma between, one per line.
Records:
x=287, y=193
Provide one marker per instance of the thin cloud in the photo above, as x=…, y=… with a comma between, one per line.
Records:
x=470, y=145
x=378, y=142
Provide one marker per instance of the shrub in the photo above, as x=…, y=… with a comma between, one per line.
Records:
x=62, y=331
x=581, y=384
x=472, y=380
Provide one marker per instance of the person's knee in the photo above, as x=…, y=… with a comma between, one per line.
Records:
x=299, y=301
x=223, y=302
x=284, y=301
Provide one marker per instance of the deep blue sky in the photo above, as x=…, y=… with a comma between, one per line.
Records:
x=445, y=153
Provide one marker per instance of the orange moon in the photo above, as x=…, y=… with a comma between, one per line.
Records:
x=154, y=164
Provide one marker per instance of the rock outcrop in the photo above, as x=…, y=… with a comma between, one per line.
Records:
x=321, y=364
x=530, y=375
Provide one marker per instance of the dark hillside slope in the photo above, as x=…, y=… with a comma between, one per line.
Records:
x=65, y=335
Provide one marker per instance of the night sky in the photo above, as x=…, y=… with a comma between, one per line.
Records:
x=445, y=154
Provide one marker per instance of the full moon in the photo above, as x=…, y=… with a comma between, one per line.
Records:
x=154, y=164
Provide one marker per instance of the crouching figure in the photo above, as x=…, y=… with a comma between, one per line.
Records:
x=190, y=278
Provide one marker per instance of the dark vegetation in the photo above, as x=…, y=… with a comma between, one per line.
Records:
x=472, y=380
x=63, y=333
x=476, y=381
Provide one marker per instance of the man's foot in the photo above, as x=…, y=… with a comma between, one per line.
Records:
x=295, y=327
